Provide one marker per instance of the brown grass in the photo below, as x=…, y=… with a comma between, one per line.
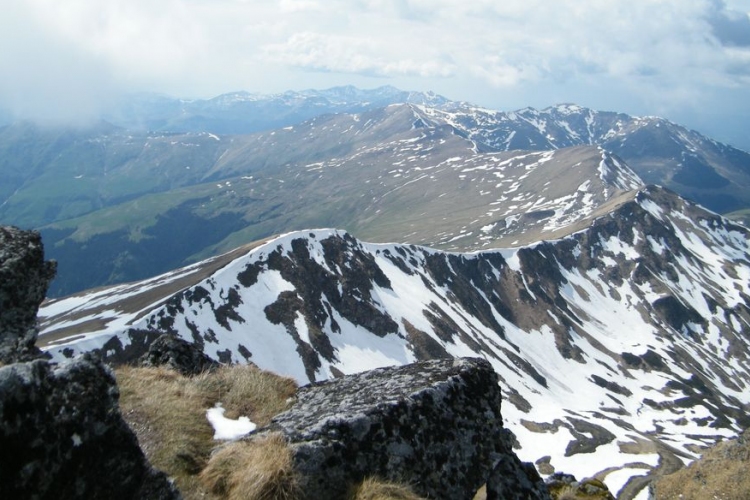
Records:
x=566, y=493
x=588, y=489
x=720, y=474
x=167, y=411
x=260, y=469
x=377, y=489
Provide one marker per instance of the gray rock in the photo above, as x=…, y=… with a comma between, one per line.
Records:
x=62, y=436
x=24, y=278
x=178, y=354
x=435, y=425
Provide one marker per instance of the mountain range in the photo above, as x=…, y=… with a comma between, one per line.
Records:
x=239, y=113
x=118, y=204
x=622, y=347
x=580, y=252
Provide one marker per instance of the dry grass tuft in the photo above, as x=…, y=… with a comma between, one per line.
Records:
x=247, y=390
x=377, y=489
x=588, y=489
x=260, y=469
x=167, y=411
x=566, y=493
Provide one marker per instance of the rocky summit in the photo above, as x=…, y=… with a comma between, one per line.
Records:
x=621, y=349
x=62, y=436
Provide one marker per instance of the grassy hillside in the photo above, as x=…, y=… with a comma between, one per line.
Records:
x=720, y=474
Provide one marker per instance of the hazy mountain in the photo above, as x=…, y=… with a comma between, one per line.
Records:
x=622, y=348
x=245, y=112
x=57, y=173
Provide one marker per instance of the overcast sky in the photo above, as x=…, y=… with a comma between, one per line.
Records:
x=687, y=60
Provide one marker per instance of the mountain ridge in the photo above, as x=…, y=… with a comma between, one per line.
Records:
x=622, y=348
x=455, y=199
x=660, y=151
x=119, y=194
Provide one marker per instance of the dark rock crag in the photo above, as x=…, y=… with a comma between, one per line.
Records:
x=61, y=431
x=434, y=425
x=62, y=436
x=24, y=278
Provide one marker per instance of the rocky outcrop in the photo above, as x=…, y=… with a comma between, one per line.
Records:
x=177, y=354
x=566, y=486
x=24, y=277
x=61, y=431
x=62, y=436
x=434, y=425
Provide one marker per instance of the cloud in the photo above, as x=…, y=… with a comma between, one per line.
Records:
x=731, y=27
x=66, y=61
x=349, y=54
x=72, y=56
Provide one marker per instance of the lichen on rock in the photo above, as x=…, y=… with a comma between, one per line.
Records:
x=434, y=425
x=62, y=436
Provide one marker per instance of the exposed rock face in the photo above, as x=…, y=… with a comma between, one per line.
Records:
x=178, y=354
x=61, y=432
x=62, y=436
x=24, y=277
x=435, y=425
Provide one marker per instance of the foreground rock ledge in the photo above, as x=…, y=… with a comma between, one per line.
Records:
x=434, y=425
x=62, y=436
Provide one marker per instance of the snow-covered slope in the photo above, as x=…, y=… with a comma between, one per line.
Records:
x=622, y=348
x=661, y=152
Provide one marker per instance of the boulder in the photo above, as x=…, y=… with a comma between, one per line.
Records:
x=62, y=436
x=178, y=354
x=24, y=278
x=434, y=425
x=565, y=485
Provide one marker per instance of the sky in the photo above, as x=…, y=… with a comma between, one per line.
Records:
x=686, y=60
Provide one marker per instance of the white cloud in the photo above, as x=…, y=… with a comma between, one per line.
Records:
x=298, y=5
x=349, y=54
x=690, y=49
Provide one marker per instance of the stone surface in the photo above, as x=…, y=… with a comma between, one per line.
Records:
x=178, y=354
x=565, y=485
x=435, y=425
x=512, y=479
x=24, y=278
x=62, y=436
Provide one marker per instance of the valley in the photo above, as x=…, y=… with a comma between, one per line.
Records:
x=427, y=171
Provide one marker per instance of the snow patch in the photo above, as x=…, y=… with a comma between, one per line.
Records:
x=225, y=428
